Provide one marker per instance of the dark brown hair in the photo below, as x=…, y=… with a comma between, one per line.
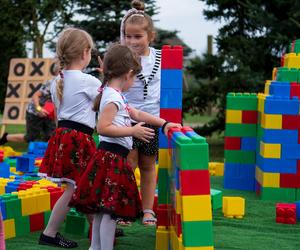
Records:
x=118, y=61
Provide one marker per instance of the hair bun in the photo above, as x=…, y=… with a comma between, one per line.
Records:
x=139, y=5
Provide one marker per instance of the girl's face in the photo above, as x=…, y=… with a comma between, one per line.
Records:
x=137, y=39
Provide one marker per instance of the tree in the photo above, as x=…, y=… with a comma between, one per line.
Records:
x=250, y=43
x=43, y=20
x=12, y=42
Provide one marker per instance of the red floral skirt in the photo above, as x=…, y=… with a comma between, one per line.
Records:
x=108, y=185
x=67, y=156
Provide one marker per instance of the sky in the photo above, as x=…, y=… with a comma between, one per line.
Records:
x=185, y=16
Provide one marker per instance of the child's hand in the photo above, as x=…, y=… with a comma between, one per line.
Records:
x=143, y=133
x=171, y=125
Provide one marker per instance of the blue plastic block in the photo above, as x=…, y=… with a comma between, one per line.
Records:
x=237, y=170
x=282, y=136
x=37, y=148
x=4, y=170
x=3, y=208
x=297, y=209
x=25, y=163
x=163, y=140
x=290, y=151
x=248, y=143
x=283, y=166
x=281, y=105
x=171, y=79
x=239, y=183
x=12, y=186
x=171, y=98
x=280, y=89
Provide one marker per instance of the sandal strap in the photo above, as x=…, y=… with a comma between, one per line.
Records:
x=149, y=211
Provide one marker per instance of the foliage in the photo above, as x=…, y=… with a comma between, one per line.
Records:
x=250, y=43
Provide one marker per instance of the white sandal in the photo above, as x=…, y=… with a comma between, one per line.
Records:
x=149, y=221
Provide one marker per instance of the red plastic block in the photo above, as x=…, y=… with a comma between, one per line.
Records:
x=194, y=182
x=55, y=193
x=290, y=121
x=37, y=222
x=172, y=115
x=249, y=116
x=172, y=130
x=295, y=90
x=49, y=107
x=172, y=57
x=286, y=213
x=185, y=129
x=162, y=215
x=232, y=143
x=289, y=181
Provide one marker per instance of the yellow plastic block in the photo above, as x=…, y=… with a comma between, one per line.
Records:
x=233, y=116
x=233, y=207
x=174, y=239
x=267, y=87
x=216, y=168
x=164, y=158
x=162, y=238
x=178, y=205
x=196, y=208
x=261, y=102
x=46, y=183
x=3, y=183
x=267, y=179
x=28, y=202
x=274, y=73
x=42, y=200
x=9, y=228
x=291, y=60
x=269, y=150
x=271, y=121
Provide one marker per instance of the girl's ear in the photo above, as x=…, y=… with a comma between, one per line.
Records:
x=130, y=74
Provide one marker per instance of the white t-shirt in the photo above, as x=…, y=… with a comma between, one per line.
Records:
x=135, y=95
x=79, y=92
x=122, y=118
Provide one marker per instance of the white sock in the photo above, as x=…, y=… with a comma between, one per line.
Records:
x=59, y=211
x=107, y=232
x=95, y=244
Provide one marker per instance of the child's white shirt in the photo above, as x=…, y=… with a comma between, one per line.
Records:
x=79, y=93
x=122, y=118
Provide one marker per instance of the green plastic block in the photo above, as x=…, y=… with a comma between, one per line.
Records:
x=216, y=198
x=76, y=223
x=163, y=186
x=47, y=215
x=287, y=75
x=12, y=205
x=240, y=130
x=278, y=194
x=197, y=233
x=11, y=161
x=240, y=156
x=241, y=101
x=296, y=48
x=22, y=226
x=191, y=155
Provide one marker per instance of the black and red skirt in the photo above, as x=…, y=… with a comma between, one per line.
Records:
x=108, y=185
x=67, y=156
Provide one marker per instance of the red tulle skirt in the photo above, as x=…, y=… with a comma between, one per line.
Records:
x=108, y=185
x=67, y=156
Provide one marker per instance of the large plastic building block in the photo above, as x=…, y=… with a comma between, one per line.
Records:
x=193, y=204
x=216, y=198
x=233, y=207
x=163, y=188
x=233, y=116
x=28, y=202
x=194, y=182
x=239, y=156
x=172, y=57
x=192, y=230
x=249, y=116
x=282, y=136
x=171, y=98
x=239, y=183
x=289, y=181
x=285, y=166
x=292, y=60
x=290, y=121
x=3, y=208
x=271, y=121
x=241, y=101
x=281, y=105
x=240, y=170
x=287, y=75
x=76, y=223
x=42, y=200
x=278, y=194
x=216, y=168
x=164, y=158
x=172, y=115
x=162, y=238
x=290, y=151
x=171, y=79
x=270, y=150
x=297, y=203
x=295, y=90
x=286, y=213
x=280, y=89
x=22, y=226
x=9, y=228
x=267, y=179
x=248, y=143
x=4, y=170
x=37, y=149
x=162, y=215
x=12, y=206
x=25, y=164
x=37, y=222
x=240, y=130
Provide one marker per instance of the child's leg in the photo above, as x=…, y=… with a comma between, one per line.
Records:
x=2, y=236
x=107, y=232
x=59, y=212
x=148, y=184
x=95, y=244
